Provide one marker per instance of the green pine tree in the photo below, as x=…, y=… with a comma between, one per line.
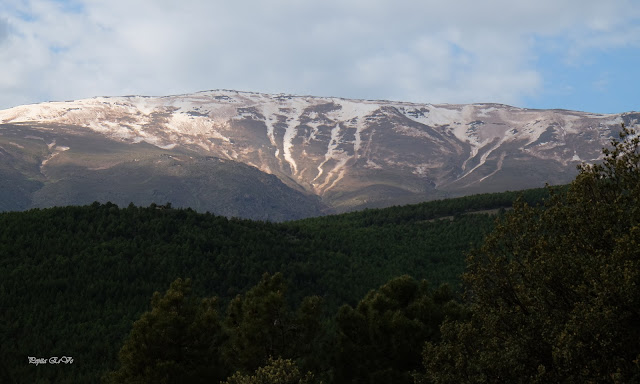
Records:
x=276, y=371
x=261, y=325
x=555, y=290
x=177, y=341
x=380, y=340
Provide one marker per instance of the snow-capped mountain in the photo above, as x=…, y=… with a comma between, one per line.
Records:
x=349, y=153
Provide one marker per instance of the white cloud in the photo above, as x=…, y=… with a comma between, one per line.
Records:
x=4, y=30
x=432, y=51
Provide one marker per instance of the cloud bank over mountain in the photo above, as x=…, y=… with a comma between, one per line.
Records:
x=520, y=53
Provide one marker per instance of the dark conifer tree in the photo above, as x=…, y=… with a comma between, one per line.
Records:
x=555, y=290
x=178, y=341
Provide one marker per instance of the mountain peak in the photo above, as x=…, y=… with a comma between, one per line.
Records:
x=350, y=153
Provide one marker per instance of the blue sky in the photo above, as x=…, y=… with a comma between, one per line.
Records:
x=571, y=54
x=602, y=79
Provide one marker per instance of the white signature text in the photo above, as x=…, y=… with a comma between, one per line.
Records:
x=51, y=360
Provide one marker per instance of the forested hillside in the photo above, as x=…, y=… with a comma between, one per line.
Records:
x=74, y=279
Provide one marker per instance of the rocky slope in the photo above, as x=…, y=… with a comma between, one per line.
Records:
x=332, y=154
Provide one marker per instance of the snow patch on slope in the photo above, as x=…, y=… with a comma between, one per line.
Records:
x=332, y=154
x=57, y=149
x=293, y=121
x=269, y=111
x=498, y=168
x=350, y=110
